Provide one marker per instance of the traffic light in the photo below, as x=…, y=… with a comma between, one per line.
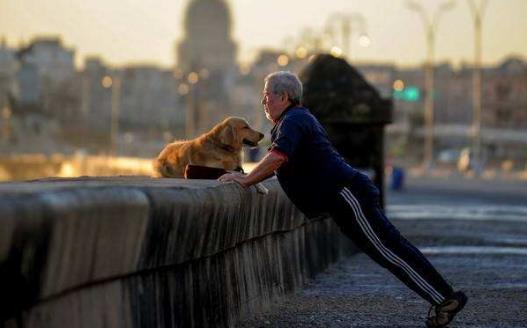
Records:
x=409, y=93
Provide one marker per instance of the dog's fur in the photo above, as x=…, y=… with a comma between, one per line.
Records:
x=220, y=147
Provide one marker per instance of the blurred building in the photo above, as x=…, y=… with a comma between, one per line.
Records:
x=505, y=95
x=29, y=86
x=8, y=70
x=96, y=103
x=504, y=106
x=136, y=103
x=504, y=111
x=150, y=100
x=48, y=80
x=206, y=58
x=55, y=63
x=453, y=100
x=207, y=42
x=43, y=94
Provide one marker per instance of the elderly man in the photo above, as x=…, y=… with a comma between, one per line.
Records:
x=318, y=180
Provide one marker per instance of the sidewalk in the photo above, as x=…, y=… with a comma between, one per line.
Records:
x=358, y=293
x=484, y=255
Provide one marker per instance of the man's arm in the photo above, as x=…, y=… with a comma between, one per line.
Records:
x=263, y=170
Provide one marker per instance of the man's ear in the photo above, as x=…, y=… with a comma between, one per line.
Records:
x=285, y=97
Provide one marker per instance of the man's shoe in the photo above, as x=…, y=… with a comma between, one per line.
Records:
x=446, y=311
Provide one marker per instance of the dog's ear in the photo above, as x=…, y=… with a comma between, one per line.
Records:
x=227, y=135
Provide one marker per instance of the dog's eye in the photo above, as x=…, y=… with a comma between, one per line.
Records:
x=245, y=127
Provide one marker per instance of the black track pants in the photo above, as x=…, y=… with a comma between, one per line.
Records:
x=360, y=217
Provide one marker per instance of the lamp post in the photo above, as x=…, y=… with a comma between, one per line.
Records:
x=115, y=84
x=477, y=15
x=346, y=21
x=430, y=25
x=6, y=128
x=312, y=40
x=192, y=108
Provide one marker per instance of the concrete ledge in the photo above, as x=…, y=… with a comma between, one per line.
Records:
x=141, y=252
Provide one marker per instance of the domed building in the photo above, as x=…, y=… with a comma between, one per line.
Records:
x=207, y=43
x=208, y=50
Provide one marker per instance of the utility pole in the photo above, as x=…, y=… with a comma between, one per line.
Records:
x=116, y=108
x=477, y=15
x=430, y=26
x=114, y=84
x=191, y=124
x=6, y=128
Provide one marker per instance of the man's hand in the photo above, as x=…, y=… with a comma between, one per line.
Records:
x=237, y=177
x=263, y=170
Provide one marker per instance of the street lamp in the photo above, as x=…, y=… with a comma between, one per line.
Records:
x=311, y=40
x=346, y=21
x=477, y=15
x=6, y=117
x=430, y=26
x=115, y=84
x=188, y=89
x=282, y=60
x=301, y=52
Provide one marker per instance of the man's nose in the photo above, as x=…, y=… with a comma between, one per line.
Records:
x=263, y=101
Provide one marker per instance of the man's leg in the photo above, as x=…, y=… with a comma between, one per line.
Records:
x=360, y=217
x=358, y=213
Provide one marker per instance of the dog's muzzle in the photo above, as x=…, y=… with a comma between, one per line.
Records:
x=249, y=143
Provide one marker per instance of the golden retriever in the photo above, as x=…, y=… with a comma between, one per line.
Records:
x=220, y=147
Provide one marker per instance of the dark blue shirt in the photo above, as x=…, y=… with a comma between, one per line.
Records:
x=314, y=172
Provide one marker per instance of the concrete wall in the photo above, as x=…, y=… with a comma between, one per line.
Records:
x=141, y=252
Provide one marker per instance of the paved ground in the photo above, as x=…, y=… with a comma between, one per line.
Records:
x=475, y=234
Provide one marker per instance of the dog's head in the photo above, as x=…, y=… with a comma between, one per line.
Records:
x=235, y=132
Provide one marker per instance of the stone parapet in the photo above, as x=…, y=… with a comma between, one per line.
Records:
x=141, y=252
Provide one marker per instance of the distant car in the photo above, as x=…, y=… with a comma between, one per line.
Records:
x=449, y=156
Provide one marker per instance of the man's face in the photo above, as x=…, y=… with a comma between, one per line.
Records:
x=274, y=104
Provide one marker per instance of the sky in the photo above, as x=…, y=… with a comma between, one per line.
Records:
x=126, y=32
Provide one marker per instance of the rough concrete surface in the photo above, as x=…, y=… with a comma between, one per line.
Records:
x=139, y=252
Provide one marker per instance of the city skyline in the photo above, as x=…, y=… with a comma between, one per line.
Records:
x=114, y=31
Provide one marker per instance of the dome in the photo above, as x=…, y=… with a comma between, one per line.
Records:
x=207, y=42
x=208, y=18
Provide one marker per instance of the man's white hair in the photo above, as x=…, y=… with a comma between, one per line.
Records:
x=285, y=82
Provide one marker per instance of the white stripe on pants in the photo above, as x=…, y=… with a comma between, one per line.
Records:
x=384, y=251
